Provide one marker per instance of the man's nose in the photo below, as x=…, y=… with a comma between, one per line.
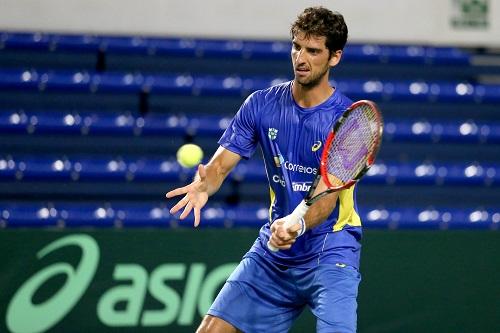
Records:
x=299, y=56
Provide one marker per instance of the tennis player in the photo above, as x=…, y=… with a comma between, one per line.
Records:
x=317, y=264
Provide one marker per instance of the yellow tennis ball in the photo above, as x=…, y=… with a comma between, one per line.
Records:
x=189, y=155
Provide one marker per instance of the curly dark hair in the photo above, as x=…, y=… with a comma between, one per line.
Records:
x=319, y=21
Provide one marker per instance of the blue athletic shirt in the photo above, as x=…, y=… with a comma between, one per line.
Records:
x=291, y=138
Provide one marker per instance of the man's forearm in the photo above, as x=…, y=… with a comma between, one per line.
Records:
x=215, y=177
x=320, y=210
x=217, y=169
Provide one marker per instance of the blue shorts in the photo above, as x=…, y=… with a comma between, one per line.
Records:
x=260, y=296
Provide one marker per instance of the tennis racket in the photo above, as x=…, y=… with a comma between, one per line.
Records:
x=348, y=152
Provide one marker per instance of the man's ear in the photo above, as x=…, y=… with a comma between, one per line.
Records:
x=335, y=58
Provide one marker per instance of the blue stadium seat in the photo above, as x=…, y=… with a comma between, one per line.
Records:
x=220, y=48
x=50, y=123
x=211, y=85
x=179, y=84
x=85, y=215
x=114, y=123
x=151, y=215
x=169, y=125
x=487, y=93
x=28, y=215
x=419, y=91
x=137, y=216
x=65, y=81
x=459, y=132
x=75, y=43
x=19, y=79
x=109, y=124
x=100, y=169
x=8, y=168
x=31, y=41
x=410, y=54
x=13, y=121
x=433, y=174
x=218, y=86
x=431, y=218
x=184, y=47
x=38, y=168
x=250, y=172
x=371, y=89
x=447, y=56
x=125, y=45
x=157, y=170
x=116, y=169
x=118, y=82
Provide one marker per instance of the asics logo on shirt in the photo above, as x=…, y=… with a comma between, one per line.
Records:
x=316, y=146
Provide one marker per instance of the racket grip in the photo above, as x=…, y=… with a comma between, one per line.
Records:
x=294, y=217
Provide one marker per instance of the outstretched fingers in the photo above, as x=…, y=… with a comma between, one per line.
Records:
x=186, y=210
x=195, y=196
x=183, y=202
x=177, y=191
x=188, y=207
x=197, y=214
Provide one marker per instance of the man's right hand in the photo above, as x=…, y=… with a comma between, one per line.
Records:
x=283, y=236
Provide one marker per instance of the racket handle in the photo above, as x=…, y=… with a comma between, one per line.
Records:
x=294, y=217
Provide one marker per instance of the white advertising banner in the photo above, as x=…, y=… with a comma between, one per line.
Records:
x=443, y=22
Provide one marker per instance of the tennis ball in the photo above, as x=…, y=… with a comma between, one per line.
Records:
x=189, y=155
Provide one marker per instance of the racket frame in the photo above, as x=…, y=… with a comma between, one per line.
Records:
x=322, y=172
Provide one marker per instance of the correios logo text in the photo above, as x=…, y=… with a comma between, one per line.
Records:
x=23, y=316
x=299, y=168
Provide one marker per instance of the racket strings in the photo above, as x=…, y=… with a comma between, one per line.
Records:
x=355, y=138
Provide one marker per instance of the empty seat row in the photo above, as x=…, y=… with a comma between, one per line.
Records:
x=211, y=85
x=431, y=218
x=86, y=123
x=63, y=214
x=108, y=123
x=144, y=169
x=129, y=214
x=411, y=54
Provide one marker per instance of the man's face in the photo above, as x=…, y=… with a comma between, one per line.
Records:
x=311, y=59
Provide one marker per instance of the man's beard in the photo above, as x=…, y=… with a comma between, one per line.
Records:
x=313, y=81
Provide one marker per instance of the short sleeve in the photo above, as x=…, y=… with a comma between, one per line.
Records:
x=240, y=136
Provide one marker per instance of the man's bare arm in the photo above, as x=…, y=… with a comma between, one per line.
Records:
x=283, y=239
x=206, y=182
